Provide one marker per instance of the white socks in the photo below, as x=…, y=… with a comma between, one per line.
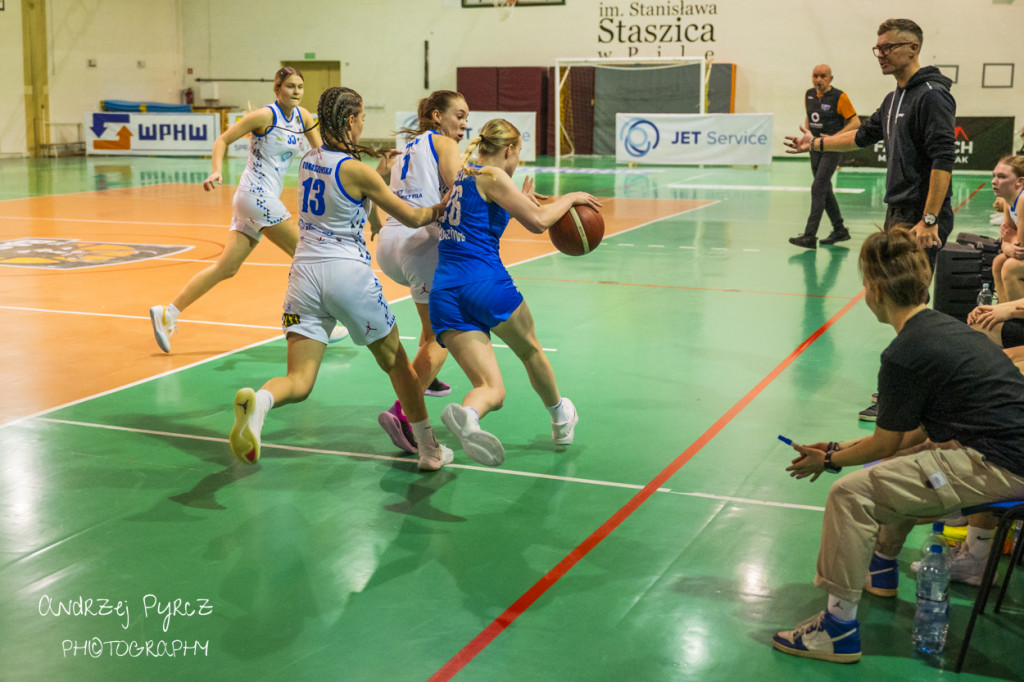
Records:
x=842, y=609
x=423, y=433
x=264, y=403
x=171, y=313
x=979, y=542
x=557, y=413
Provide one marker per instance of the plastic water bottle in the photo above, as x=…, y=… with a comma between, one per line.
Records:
x=932, y=618
x=986, y=296
x=937, y=537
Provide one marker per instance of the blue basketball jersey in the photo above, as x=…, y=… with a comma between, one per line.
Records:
x=471, y=229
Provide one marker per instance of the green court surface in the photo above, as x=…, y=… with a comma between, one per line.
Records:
x=667, y=543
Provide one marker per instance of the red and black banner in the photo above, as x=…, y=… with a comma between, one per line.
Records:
x=980, y=142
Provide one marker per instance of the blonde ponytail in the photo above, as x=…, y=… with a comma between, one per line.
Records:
x=494, y=136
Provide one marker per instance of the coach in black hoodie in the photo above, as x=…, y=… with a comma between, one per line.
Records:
x=917, y=122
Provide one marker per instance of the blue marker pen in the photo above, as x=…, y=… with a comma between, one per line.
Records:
x=785, y=440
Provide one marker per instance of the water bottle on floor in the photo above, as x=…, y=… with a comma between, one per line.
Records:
x=986, y=296
x=932, y=617
x=937, y=537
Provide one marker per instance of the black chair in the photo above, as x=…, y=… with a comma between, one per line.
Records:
x=1008, y=513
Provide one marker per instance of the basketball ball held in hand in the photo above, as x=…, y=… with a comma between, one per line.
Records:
x=578, y=232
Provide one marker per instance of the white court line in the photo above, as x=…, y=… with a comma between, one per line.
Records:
x=213, y=260
x=389, y=458
x=743, y=500
x=112, y=222
x=139, y=382
x=105, y=191
x=763, y=188
x=216, y=324
x=260, y=343
x=133, y=317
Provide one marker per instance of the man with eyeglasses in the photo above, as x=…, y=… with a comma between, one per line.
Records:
x=917, y=123
x=829, y=111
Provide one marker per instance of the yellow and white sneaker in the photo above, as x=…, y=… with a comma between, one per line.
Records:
x=162, y=327
x=245, y=433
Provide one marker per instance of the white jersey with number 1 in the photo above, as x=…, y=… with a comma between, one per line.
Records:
x=406, y=255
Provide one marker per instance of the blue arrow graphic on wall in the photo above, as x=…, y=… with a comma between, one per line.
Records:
x=100, y=121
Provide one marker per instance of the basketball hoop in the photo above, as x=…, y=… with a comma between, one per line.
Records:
x=504, y=8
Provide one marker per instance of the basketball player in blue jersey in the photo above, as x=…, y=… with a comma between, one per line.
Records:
x=421, y=175
x=331, y=280
x=276, y=138
x=473, y=294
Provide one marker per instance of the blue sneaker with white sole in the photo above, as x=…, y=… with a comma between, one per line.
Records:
x=822, y=637
x=883, y=577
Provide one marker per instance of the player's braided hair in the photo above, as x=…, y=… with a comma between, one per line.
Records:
x=896, y=265
x=439, y=100
x=494, y=136
x=335, y=107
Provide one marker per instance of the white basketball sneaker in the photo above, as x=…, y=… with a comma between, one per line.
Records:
x=562, y=433
x=162, y=328
x=435, y=456
x=964, y=567
x=338, y=333
x=480, y=446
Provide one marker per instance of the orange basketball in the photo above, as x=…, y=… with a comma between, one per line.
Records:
x=578, y=232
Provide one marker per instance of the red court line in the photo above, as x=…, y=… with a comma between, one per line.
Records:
x=676, y=286
x=498, y=625
x=964, y=202
x=482, y=640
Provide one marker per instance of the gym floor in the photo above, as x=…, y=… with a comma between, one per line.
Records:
x=666, y=543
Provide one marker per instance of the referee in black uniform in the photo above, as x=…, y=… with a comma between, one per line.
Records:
x=829, y=111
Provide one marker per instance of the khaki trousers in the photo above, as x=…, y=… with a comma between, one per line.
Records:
x=877, y=506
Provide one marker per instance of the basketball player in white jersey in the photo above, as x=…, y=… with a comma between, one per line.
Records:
x=277, y=130
x=421, y=175
x=331, y=280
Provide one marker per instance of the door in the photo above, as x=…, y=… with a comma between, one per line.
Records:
x=317, y=76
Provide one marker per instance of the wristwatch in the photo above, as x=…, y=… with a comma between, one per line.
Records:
x=829, y=466
x=930, y=220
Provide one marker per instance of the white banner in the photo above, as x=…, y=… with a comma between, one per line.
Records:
x=129, y=133
x=525, y=121
x=693, y=139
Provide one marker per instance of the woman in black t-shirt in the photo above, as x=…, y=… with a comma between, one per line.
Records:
x=929, y=387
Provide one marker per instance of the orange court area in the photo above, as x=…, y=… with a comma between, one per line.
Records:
x=78, y=274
